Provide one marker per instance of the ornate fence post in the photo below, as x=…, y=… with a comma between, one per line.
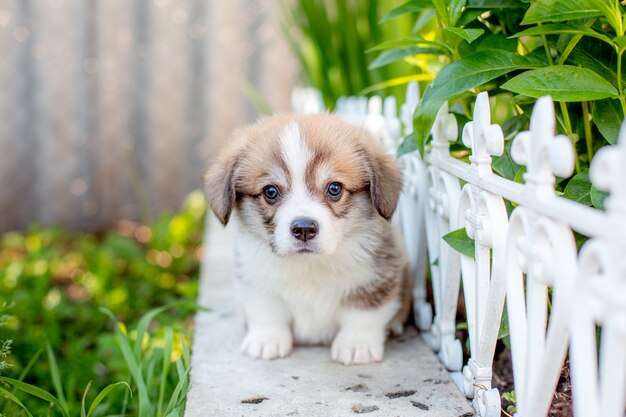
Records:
x=410, y=215
x=484, y=216
x=444, y=191
x=600, y=298
x=543, y=250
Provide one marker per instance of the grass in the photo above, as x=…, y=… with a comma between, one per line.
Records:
x=99, y=324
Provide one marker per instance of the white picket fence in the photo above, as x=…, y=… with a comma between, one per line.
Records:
x=528, y=257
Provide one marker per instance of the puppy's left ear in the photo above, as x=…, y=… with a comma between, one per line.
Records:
x=385, y=182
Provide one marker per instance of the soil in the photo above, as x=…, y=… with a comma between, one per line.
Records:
x=503, y=380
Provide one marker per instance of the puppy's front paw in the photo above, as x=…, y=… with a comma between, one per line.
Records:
x=267, y=344
x=357, y=348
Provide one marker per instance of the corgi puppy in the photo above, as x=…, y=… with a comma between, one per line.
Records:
x=317, y=259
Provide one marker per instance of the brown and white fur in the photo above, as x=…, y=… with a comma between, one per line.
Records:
x=345, y=281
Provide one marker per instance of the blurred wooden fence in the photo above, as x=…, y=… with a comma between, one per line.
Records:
x=110, y=109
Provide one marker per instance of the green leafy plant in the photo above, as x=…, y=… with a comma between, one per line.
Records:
x=57, y=281
x=509, y=397
x=330, y=39
x=460, y=242
x=519, y=51
x=5, y=345
x=154, y=369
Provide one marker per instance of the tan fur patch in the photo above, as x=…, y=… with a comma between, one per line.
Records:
x=389, y=264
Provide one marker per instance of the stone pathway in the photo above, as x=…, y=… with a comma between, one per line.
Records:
x=409, y=382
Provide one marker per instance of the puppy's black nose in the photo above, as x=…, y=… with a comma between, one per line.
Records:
x=304, y=228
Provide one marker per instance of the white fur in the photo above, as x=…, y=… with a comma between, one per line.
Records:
x=298, y=298
x=299, y=203
x=362, y=336
x=295, y=152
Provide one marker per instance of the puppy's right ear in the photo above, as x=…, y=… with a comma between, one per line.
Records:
x=219, y=183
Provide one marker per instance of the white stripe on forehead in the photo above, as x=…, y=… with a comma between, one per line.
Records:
x=295, y=153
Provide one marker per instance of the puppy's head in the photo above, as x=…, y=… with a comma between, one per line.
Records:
x=303, y=184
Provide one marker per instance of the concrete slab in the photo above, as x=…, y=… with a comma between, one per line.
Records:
x=409, y=382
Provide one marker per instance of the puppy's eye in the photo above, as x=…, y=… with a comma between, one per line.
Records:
x=334, y=190
x=270, y=193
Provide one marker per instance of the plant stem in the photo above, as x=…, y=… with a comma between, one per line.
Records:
x=569, y=132
x=588, y=133
x=573, y=42
x=570, y=46
x=568, y=123
x=620, y=90
x=546, y=47
x=618, y=13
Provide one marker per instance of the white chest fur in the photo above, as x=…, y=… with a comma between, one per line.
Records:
x=306, y=289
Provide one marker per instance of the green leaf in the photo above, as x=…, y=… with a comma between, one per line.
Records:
x=423, y=120
x=83, y=411
x=476, y=69
x=504, y=331
x=16, y=400
x=497, y=42
x=408, y=145
x=410, y=7
x=410, y=41
x=460, y=242
x=394, y=82
x=595, y=56
x=36, y=392
x=133, y=366
x=608, y=116
x=180, y=389
x=504, y=164
x=579, y=189
x=165, y=369
x=620, y=41
x=56, y=376
x=495, y=4
x=509, y=396
x=563, y=83
x=147, y=318
x=597, y=197
x=393, y=55
x=560, y=10
x=469, y=35
x=104, y=393
x=456, y=9
x=442, y=11
x=142, y=327
x=560, y=28
x=424, y=18
x=469, y=16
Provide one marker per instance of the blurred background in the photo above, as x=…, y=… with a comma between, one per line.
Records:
x=111, y=109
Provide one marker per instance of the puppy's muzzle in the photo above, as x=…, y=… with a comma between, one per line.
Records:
x=304, y=228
